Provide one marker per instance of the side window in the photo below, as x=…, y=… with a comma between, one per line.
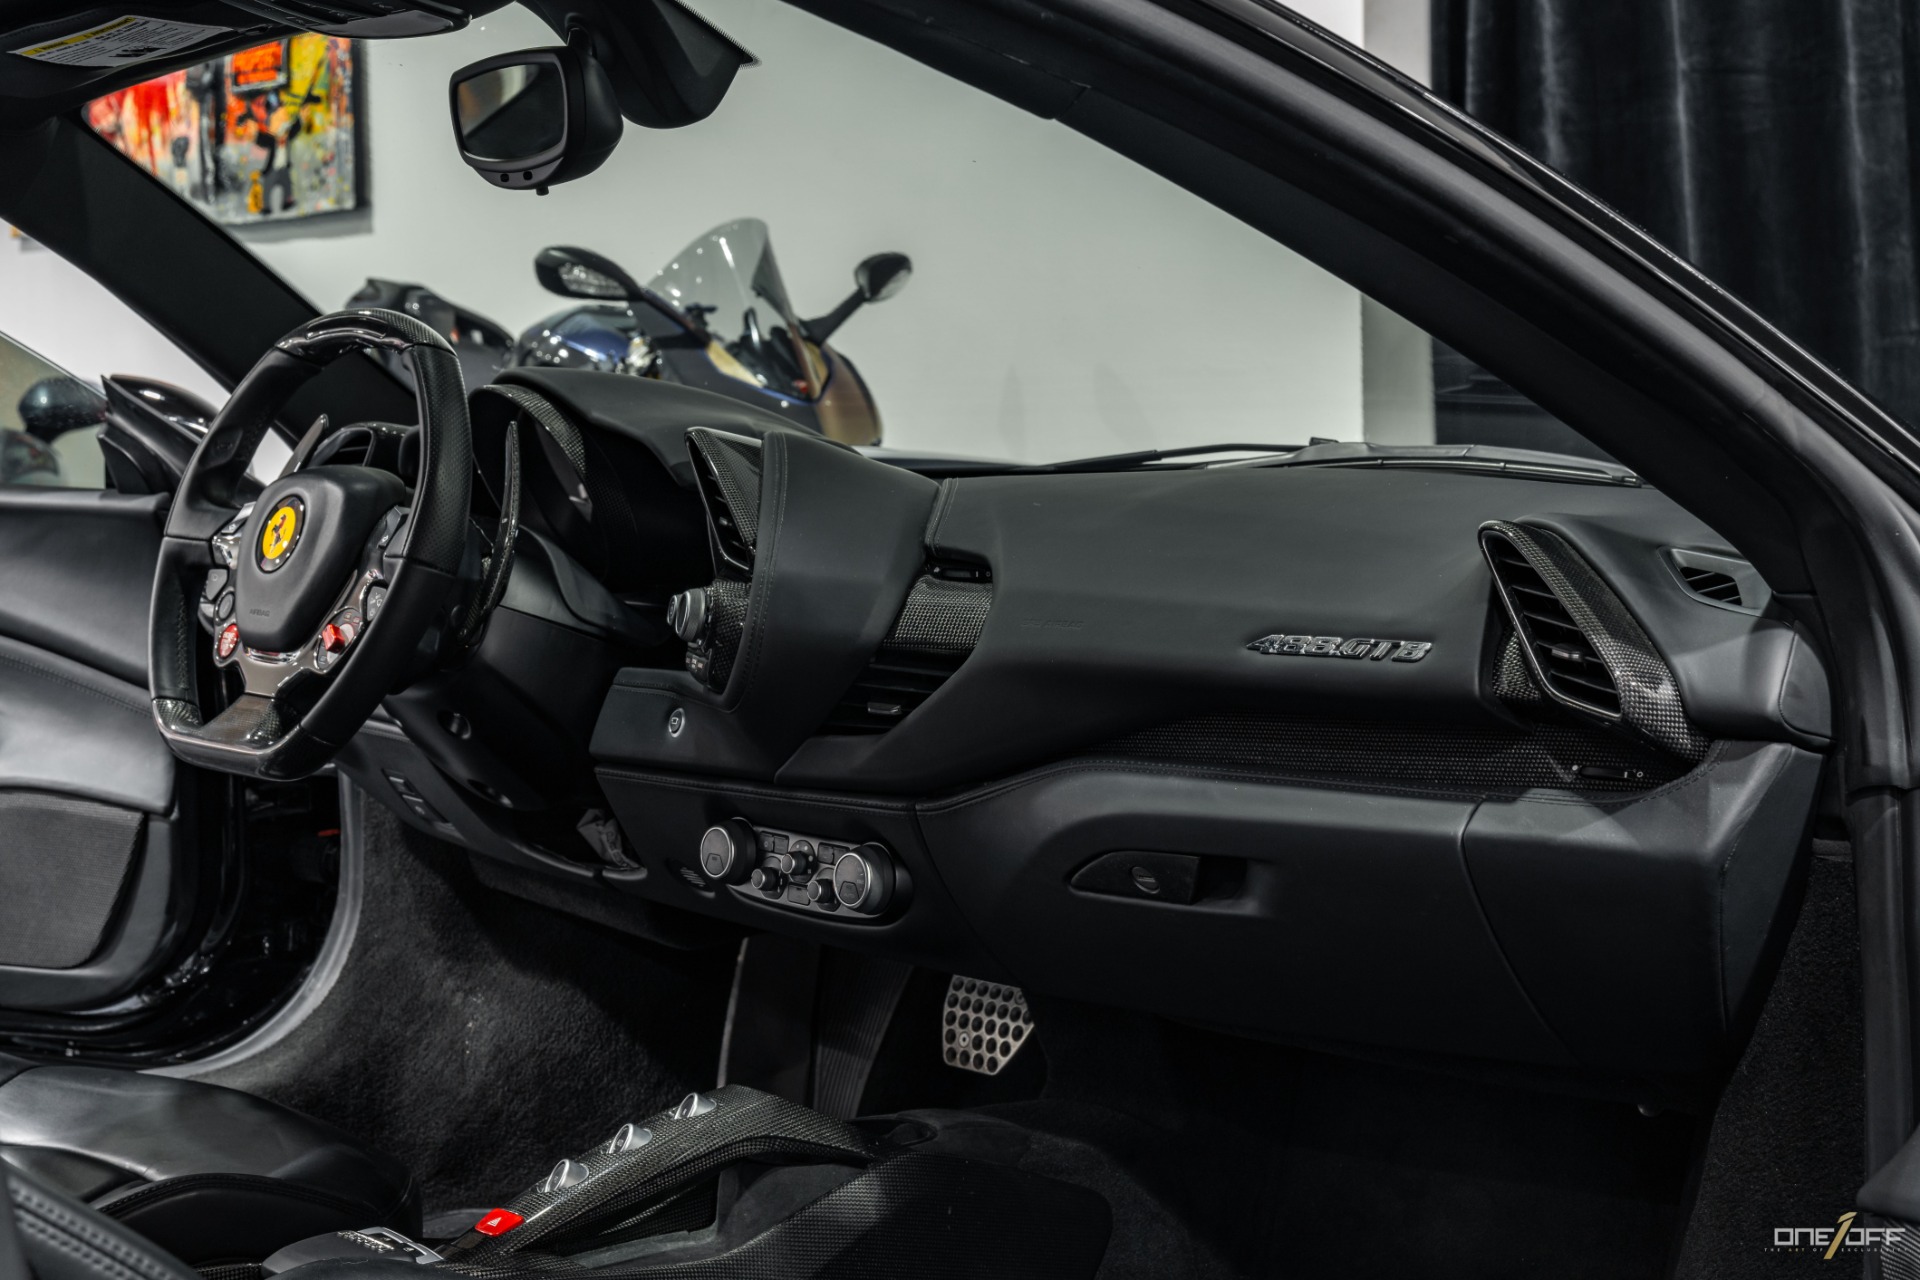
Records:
x=61, y=331
x=49, y=423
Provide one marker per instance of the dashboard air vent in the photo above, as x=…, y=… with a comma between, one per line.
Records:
x=1722, y=581
x=727, y=469
x=937, y=629
x=1581, y=643
x=892, y=685
x=1711, y=583
x=1563, y=659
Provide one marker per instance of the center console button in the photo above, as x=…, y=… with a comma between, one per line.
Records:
x=568, y=1173
x=727, y=852
x=863, y=879
x=687, y=614
x=626, y=1138
x=694, y=1104
x=497, y=1222
x=797, y=863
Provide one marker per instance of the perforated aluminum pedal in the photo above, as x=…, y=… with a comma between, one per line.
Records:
x=984, y=1025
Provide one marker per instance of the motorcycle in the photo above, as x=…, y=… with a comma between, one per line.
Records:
x=718, y=317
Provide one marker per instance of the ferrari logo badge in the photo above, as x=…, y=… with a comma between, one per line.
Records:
x=281, y=531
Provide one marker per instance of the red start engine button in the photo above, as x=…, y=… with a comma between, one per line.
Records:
x=229, y=640
x=498, y=1222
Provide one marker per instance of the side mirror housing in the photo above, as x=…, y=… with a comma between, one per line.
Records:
x=526, y=120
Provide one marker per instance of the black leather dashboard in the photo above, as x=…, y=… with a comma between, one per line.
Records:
x=1404, y=808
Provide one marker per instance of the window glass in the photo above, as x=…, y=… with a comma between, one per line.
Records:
x=49, y=423
x=1062, y=301
x=60, y=333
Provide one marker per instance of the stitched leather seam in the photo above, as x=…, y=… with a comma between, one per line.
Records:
x=752, y=649
x=136, y=1197
x=898, y=808
x=58, y=1217
x=1121, y=764
x=49, y=673
x=92, y=1258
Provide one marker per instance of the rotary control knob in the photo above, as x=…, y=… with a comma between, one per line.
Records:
x=863, y=879
x=727, y=852
x=768, y=880
x=796, y=863
x=820, y=893
x=687, y=614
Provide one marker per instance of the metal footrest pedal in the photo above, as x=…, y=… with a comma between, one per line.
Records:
x=983, y=1025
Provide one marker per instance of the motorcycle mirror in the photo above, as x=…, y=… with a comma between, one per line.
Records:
x=874, y=280
x=526, y=120
x=882, y=276
x=582, y=273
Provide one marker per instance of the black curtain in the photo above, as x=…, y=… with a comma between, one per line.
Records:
x=1770, y=142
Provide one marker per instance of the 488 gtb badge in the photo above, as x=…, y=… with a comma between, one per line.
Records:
x=1342, y=647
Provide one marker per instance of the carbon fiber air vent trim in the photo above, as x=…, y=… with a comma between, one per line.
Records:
x=727, y=606
x=1649, y=701
x=728, y=469
x=937, y=628
x=941, y=616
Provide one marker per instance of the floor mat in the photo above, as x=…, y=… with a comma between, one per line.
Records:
x=479, y=1037
x=1281, y=1162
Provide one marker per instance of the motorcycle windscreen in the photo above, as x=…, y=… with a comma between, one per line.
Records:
x=729, y=281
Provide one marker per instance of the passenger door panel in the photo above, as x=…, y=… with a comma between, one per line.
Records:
x=97, y=868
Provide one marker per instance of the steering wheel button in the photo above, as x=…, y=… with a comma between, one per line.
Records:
x=223, y=608
x=332, y=638
x=216, y=583
x=228, y=641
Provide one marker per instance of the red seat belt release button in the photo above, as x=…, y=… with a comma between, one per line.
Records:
x=498, y=1222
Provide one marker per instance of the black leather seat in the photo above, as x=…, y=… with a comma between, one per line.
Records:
x=211, y=1175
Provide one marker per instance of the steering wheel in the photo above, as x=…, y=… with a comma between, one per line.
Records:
x=321, y=590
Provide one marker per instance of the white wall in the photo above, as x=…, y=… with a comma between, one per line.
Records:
x=1065, y=301
x=62, y=314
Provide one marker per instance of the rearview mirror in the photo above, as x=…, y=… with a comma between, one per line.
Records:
x=527, y=120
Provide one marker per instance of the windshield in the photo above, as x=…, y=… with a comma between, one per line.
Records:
x=955, y=275
x=728, y=282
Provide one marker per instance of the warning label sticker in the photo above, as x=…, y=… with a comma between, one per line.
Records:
x=120, y=43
